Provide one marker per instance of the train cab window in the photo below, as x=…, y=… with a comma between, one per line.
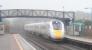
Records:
x=56, y=25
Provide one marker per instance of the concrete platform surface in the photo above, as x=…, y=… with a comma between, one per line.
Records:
x=14, y=42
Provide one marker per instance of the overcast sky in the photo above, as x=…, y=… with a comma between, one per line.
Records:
x=69, y=5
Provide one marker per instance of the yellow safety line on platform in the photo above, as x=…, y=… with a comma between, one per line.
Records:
x=18, y=43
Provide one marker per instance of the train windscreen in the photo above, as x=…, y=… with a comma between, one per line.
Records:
x=56, y=25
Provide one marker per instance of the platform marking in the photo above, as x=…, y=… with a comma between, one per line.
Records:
x=18, y=43
x=23, y=41
x=26, y=42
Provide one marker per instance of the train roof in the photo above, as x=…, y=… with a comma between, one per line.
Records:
x=41, y=22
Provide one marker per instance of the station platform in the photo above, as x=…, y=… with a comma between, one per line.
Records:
x=80, y=39
x=14, y=42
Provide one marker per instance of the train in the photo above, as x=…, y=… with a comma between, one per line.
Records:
x=52, y=29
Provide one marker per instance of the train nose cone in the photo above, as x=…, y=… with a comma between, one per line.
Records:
x=57, y=34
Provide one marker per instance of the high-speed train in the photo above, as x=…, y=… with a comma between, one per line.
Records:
x=53, y=29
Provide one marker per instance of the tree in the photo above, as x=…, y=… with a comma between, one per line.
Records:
x=87, y=22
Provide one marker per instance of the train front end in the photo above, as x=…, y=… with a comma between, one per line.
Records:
x=57, y=30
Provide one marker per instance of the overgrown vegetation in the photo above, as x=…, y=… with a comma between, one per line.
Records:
x=86, y=22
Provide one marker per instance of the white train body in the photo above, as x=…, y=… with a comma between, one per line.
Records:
x=53, y=29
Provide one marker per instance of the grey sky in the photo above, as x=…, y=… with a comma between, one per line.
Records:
x=70, y=5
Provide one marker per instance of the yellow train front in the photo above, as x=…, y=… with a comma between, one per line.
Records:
x=57, y=30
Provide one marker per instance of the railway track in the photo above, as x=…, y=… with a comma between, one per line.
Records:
x=45, y=44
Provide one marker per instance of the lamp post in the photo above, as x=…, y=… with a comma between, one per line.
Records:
x=0, y=13
x=63, y=12
x=0, y=9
